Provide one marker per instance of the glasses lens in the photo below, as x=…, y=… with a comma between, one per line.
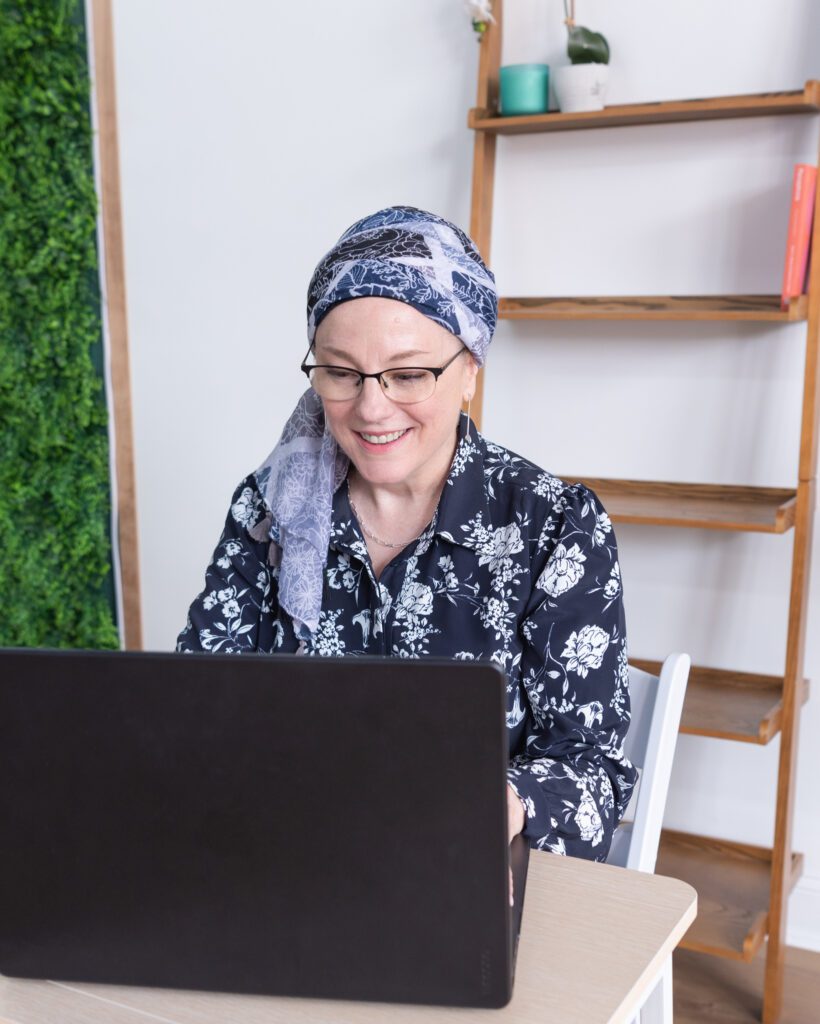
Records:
x=409, y=384
x=335, y=382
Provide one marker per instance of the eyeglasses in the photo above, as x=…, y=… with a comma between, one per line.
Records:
x=404, y=384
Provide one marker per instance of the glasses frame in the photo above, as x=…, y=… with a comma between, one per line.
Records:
x=435, y=370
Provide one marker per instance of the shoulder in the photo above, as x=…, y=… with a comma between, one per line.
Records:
x=512, y=479
x=553, y=514
x=248, y=511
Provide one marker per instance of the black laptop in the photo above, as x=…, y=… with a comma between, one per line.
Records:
x=323, y=827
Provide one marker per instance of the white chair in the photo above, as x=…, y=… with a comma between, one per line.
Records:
x=657, y=703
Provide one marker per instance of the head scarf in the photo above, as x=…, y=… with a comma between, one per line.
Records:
x=400, y=253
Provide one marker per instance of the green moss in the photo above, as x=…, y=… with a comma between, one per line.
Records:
x=55, y=546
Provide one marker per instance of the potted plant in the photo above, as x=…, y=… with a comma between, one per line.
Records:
x=582, y=84
x=482, y=15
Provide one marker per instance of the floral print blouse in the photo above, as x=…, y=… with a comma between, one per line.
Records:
x=517, y=567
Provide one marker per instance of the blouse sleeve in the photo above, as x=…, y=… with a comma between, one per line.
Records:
x=233, y=614
x=572, y=775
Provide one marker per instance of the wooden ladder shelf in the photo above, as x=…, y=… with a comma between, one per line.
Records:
x=743, y=890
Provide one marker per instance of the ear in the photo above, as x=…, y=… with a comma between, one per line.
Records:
x=470, y=374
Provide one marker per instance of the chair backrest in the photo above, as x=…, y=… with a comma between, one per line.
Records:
x=657, y=703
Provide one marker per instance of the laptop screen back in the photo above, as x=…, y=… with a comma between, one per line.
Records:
x=295, y=826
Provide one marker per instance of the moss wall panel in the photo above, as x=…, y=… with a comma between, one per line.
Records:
x=56, y=581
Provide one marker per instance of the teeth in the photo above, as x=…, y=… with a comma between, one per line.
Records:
x=383, y=438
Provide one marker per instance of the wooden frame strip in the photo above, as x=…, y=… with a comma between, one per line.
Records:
x=112, y=270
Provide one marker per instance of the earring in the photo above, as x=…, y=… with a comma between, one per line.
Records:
x=469, y=403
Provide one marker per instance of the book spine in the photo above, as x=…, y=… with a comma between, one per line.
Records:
x=798, y=239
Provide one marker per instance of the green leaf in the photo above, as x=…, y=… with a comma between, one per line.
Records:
x=587, y=47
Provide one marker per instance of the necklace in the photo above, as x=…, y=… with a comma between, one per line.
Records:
x=372, y=536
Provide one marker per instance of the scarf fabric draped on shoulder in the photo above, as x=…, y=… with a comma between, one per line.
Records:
x=400, y=253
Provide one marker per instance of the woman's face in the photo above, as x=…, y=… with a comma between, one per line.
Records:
x=372, y=334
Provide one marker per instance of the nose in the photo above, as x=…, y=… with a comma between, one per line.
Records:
x=372, y=403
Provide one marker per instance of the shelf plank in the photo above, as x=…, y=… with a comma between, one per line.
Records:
x=732, y=882
x=764, y=308
x=730, y=705
x=799, y=101
x=704, y=506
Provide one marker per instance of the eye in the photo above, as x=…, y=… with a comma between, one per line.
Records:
x=339, y=373
x=407, y=376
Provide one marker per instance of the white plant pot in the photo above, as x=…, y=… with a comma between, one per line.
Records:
x=581, y=87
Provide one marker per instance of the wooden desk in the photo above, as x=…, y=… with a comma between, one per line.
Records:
x=593, y=941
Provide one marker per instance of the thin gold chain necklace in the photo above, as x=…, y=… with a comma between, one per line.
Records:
x=372, y=536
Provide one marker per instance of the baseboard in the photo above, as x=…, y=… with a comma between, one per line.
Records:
x=803, y=924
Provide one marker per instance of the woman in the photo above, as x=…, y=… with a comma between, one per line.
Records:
x=383, y=523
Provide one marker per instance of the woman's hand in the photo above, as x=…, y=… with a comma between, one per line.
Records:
x=515, y=813
x=515, y=822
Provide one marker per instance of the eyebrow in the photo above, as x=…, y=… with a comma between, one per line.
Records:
x=408, y=354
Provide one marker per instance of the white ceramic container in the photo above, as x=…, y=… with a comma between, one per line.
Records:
x=580, y=87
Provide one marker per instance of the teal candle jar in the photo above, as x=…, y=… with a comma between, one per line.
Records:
x=524, y=89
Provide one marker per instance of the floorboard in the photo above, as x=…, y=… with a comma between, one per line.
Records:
x=712, y=990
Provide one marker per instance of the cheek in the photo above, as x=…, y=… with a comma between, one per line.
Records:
x=442, y=417
x=334, y=418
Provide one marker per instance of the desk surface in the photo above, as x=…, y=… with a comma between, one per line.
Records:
x=593, y=939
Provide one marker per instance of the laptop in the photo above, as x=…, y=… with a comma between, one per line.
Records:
x=322, y=827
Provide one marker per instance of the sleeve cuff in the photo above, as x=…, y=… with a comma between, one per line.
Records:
x=537, y=816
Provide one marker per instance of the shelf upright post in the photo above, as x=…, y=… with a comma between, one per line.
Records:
x=481, y=208
x=795, y=645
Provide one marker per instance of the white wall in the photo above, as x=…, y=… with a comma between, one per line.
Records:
x=252, y=135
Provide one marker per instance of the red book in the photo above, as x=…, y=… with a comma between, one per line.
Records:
x=798, y=240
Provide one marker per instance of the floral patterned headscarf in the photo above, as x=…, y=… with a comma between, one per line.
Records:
x=400, y=253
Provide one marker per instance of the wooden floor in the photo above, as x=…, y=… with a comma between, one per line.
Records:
x=712, y=990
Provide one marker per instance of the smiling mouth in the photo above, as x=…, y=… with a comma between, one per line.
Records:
x=383, y=438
